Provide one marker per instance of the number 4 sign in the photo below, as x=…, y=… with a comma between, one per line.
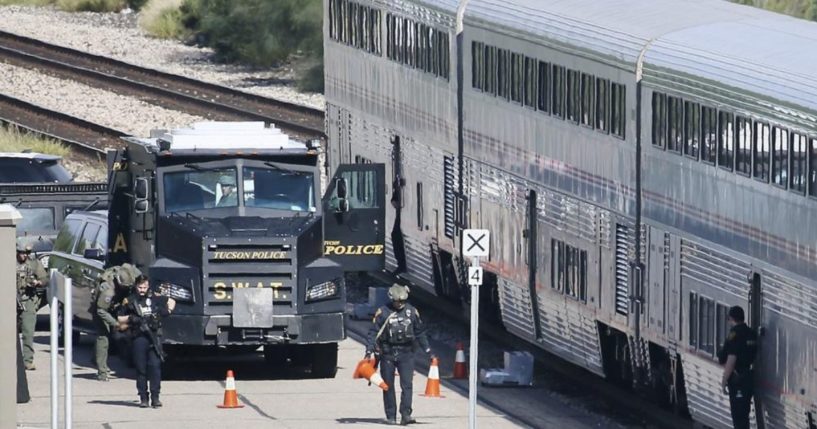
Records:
x=475, y=276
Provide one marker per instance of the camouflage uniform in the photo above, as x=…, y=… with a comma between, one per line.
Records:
x=28, y=271
x=107, y=298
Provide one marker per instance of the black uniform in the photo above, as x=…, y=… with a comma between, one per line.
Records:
x=396, y=344
x=741, y=342
x=145, y=314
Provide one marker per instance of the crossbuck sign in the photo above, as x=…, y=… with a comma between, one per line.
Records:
x=475, y=242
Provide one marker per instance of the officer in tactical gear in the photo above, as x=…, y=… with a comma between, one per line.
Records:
x=140, y=315
x=31, y=278
x=737, y=357
x=113, y=285
x=396, y=332
x=229, y=198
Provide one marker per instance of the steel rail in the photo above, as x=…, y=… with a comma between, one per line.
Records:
x=175, y=92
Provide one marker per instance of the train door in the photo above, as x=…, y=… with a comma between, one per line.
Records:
x=531, y=236
x=755, y=314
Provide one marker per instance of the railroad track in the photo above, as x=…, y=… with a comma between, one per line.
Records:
x=86, y=137
x=174, y=92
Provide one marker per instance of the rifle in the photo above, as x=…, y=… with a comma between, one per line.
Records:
x=144, y=327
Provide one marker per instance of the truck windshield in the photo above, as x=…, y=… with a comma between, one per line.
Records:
x=200, y=189
x=277, y=188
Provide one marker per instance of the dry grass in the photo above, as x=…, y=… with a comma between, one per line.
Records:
x=162, y=18
x=14, y=140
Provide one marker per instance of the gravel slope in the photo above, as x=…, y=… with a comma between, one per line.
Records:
x=118, y=36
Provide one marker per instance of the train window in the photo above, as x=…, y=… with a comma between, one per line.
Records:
x=721, y=324
x=761, y=147
x=376, y=42
x=706, y=325
x=693, y=319
x=659, y=119
x=390, y=36
x=569, y=270
x=603, y=105
x=573, y=95
x=332, y=16
x=675, y=124
x=445, y=55
x=517, y=77
x=812, y=171
x=692, y=128
x=428, y=52
x=490, y=69
x=420, y=220
x=477, y=65
x=780, y=156
x=502, y=74
x=557, y=252
x=709, y=127
x=544, y=87
x=530, y=82
x=726, y=140
x=588, y=93
x=797, y=183
x=743, y=164
x=618, y=110
x=363, y=29
x=558, y=92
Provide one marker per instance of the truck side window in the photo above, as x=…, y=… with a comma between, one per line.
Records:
x=361, y=188
x=88, y=238
x=65, y=238
x=36, y=219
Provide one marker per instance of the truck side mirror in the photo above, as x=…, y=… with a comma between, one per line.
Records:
x=96, y=254
x=141, y=188
x=341, y=187
x=141, y=206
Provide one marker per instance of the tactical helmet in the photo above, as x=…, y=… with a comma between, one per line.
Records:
x=23, y=248
x=398, y=292
x=126, y=275
x=227, y=180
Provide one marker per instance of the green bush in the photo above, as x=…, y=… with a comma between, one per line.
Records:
x=162, y=18
x=263, y=33
x=91, y=5
x=26, y=2
x=14, y=140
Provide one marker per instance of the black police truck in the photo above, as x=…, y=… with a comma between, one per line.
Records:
x=227, y=219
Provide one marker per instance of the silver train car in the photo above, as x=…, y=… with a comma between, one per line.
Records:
x=642, y=165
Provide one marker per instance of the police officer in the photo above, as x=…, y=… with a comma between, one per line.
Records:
x=141, y=315
x=396, y=332
x=107, y=296
x=228, y=196
x=30, y=276
x=737, y=357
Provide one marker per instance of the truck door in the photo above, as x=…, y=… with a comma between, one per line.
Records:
x=354, y=217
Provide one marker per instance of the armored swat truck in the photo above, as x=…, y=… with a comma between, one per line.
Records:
x=227, y=219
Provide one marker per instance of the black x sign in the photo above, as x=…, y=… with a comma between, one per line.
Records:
x=475, y=242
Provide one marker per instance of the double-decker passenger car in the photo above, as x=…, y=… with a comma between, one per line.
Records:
x=642, y=166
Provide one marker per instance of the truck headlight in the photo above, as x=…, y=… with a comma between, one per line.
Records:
x=321, y=291
x=179, y=293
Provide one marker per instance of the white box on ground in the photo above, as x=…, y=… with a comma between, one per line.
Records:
x=518, y=371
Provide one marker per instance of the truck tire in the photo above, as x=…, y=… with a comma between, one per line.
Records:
x=324, y=360
x=75, y=335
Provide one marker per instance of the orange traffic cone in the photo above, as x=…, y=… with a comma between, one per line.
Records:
x=365, y=369
x=230, y=394
x=433, y=383
x=460, y=367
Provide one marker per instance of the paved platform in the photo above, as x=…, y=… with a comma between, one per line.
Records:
x=273, y=399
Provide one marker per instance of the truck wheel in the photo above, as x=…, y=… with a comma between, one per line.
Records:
x=324, y=360
x=75, y=335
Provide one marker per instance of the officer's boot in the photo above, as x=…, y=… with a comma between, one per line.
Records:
x=154, y=401
x=406, y=419
x=143, y=403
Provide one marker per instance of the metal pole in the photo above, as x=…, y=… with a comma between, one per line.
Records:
x=68, y=352
x=472, y=376
x=53, y=307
